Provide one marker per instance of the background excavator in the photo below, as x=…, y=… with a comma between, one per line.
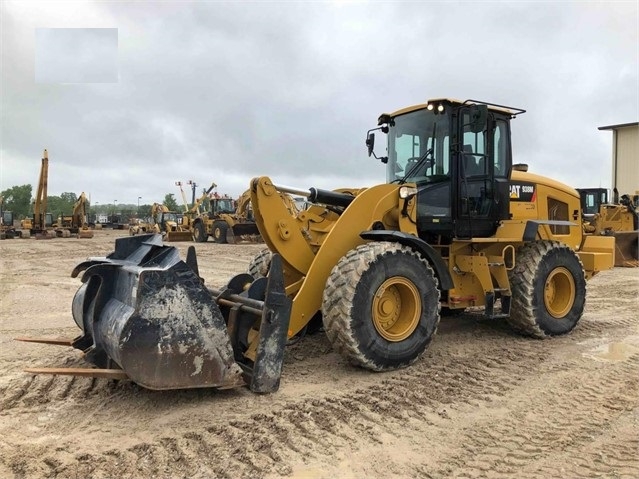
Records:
x=75, y=224
x=619, y=218
x=41, y=223
x=457, y=225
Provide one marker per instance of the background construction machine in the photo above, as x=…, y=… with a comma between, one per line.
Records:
x=456, y=226
x=75, y=224
x=227, y=221
x=41, y=222
x=194, y=212
x=619, y=218
x=169, y=224
x=7, y=229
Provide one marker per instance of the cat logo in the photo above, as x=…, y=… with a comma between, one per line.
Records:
x=522, y=192
x=514, y=191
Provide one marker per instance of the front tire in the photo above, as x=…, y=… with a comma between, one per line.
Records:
x=548, y=289
x=199, y=233
x=260, y=264
x=219, y=231
x=381, y=306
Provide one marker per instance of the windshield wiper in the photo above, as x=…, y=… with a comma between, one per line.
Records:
x=422, y=158
x=417, y=165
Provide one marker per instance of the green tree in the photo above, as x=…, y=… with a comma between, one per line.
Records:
x=61, y=205
x=145, y=211
x=170, y=203
x=18, y=200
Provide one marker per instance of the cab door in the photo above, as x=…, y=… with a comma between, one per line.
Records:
x=483, y=162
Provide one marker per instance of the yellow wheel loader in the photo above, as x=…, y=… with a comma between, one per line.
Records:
x=457, y=225
x=619, y=219
x=228, y=221
x=169, y=224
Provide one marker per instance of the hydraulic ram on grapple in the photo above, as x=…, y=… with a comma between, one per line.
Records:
x=147, y=316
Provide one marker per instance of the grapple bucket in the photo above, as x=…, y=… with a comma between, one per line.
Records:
x=145, y=314
x=626, y=248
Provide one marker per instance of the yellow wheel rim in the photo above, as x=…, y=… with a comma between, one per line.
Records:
x=396, y=309
x=559, y=292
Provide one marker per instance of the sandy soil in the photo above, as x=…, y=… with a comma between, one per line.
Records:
x=483, y=402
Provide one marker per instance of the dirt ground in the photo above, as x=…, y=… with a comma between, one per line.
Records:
x=483, y=401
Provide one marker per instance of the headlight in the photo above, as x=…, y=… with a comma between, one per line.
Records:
x=407, y=192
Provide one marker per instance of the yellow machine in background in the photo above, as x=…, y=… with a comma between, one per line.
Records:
x=455, y=226
x=41, y=223
x=169, y=224
x=7, y=230
x=619, y=219
x=75, y=224
x=227, y=221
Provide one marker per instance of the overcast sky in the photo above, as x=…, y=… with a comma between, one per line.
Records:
x=222, y=92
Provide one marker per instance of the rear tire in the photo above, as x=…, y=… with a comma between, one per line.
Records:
x=199, y=233
x=381, y=306
x=219, y=232
x=260, y=264
x=549, y=289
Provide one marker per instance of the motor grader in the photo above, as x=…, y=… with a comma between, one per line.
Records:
x=457, y=225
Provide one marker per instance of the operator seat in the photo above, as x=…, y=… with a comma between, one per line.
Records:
x=471, y=167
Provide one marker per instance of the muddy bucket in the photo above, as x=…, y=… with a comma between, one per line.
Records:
x=146, y=315
x=148, y=312
x=627, y=248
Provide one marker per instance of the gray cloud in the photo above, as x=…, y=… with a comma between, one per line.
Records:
x=76, y=55
x=224, y=92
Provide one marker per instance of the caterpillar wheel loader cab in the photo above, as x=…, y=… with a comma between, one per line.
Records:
x=591, y=200
x=455, y=226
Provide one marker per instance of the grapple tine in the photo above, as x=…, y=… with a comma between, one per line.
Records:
x=52, y=341
x=273, y=332
x=258, y=309
x=191, y=260
x=82, y=372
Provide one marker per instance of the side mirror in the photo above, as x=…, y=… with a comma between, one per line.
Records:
x=370, y=143
x=478, y=118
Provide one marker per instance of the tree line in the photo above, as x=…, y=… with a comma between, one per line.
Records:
x=19, y=200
